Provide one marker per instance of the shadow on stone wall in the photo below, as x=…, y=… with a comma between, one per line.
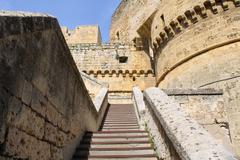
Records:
x=44, y=104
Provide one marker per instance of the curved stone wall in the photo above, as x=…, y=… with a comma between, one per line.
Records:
x=216, y=65
x=129, y=17
x=196, y=45
x=176, y=45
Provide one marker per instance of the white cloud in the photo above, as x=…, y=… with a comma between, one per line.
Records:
x=5, y=5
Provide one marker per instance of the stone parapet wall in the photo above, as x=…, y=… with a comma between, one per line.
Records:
x=179, y=132
x=206, y=106
x=44, y=104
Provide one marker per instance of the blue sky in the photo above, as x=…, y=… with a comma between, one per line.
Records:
x=70, y=12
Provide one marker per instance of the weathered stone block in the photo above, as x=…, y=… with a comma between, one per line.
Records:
x=10, y=79
x=54, y=135
x=5, y=158
x=56, y=117
x=23, y=118
x=15, y=107
x=39, y=102
x=30, y=122
x=3, y=131
x=27, y=93
x=56, y=153
x=4, y=98
x=23, y=146
x=52, y=114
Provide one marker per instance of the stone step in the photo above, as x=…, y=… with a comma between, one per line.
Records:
x=87, y=148
x=109, y=158
x=110, y=132
x=117, y=153
x=116, y=134
x=117, y=139
x=131, y=157
x=121, y=112
x=119, y=129
x=122, y=117
x=115, y=121
x=119, y=120
x=118, y=142
x=120, y=125
x=117, y=146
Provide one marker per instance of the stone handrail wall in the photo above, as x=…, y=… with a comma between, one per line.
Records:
x=93, y=85
x=139, y=105
x=45, y=107
x=101, y=104
x=189, y=139
x=93, y=80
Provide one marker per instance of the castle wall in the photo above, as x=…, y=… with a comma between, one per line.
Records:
x=44, y=106
x=197, y=46
x=103, y=62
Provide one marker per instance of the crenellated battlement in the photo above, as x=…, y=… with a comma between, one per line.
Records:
x=118, y=73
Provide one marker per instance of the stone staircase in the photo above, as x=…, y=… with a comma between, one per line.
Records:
x=119, y=138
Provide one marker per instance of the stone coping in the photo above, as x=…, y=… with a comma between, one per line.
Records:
x=137, y=97
x=15, y=23
x=101, y=96
x=182, y=92
x=190, y=140
x=94, y=79
x=23, y=14
x=101, y=103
